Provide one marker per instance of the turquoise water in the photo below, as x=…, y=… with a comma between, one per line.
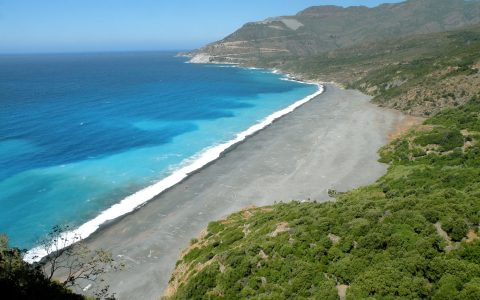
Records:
x=80, y=132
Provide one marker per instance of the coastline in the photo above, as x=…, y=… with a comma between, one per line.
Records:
x=329, y=142
x=194, y=164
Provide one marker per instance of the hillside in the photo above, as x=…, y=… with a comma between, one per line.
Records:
x=413, y=234
x=419, y=74
x=396, y=54
x=325, y=28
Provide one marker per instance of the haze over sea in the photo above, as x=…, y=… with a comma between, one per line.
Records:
x=80, y=132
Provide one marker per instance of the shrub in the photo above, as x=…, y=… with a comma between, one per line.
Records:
x=447, y=139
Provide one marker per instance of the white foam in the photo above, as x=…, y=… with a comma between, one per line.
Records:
x=288, y=78
x=141, y=197
x=227, y=66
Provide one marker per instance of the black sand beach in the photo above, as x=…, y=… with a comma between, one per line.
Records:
x=330, y=142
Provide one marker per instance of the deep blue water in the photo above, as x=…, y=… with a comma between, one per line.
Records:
x=79, y=132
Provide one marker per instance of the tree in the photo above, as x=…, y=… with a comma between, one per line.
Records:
x=69, y=261
x=20, y=280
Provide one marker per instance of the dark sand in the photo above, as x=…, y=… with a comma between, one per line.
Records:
x=329, y=143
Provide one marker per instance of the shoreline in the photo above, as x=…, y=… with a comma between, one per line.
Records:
x=329, y=142
x=205, y=59
x=194, y=164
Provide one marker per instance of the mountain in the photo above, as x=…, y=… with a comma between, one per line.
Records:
x=416, y=72
x=320, y=29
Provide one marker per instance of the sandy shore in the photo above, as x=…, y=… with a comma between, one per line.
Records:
x=328, y=143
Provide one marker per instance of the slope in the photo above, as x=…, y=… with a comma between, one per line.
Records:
x=326, y=28
x=413, y=234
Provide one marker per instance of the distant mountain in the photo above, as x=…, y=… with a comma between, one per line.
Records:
x=320, y=29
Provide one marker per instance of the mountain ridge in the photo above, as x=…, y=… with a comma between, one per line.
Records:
x=320, y=29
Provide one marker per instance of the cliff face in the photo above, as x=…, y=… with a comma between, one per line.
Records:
x=321, y=29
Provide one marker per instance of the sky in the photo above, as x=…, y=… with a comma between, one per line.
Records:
x=43, y=26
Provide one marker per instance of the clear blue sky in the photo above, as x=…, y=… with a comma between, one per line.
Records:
x=103, y=25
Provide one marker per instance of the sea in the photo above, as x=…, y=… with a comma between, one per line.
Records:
x=86, y=138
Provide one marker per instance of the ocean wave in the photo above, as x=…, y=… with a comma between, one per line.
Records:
x=141, y=197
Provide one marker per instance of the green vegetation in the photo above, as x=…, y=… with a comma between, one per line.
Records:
x=53, y=278
x=413, y=234
x=463, y=118
x=445, y=138
x=439, y=70
x=19, y=280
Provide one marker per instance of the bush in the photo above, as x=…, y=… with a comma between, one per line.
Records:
x=456, y=227
x=19, y=280
x=447, y=139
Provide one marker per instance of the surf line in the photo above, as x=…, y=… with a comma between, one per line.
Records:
x=130, y=203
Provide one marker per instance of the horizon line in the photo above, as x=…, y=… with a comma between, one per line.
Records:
x=89, y=52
